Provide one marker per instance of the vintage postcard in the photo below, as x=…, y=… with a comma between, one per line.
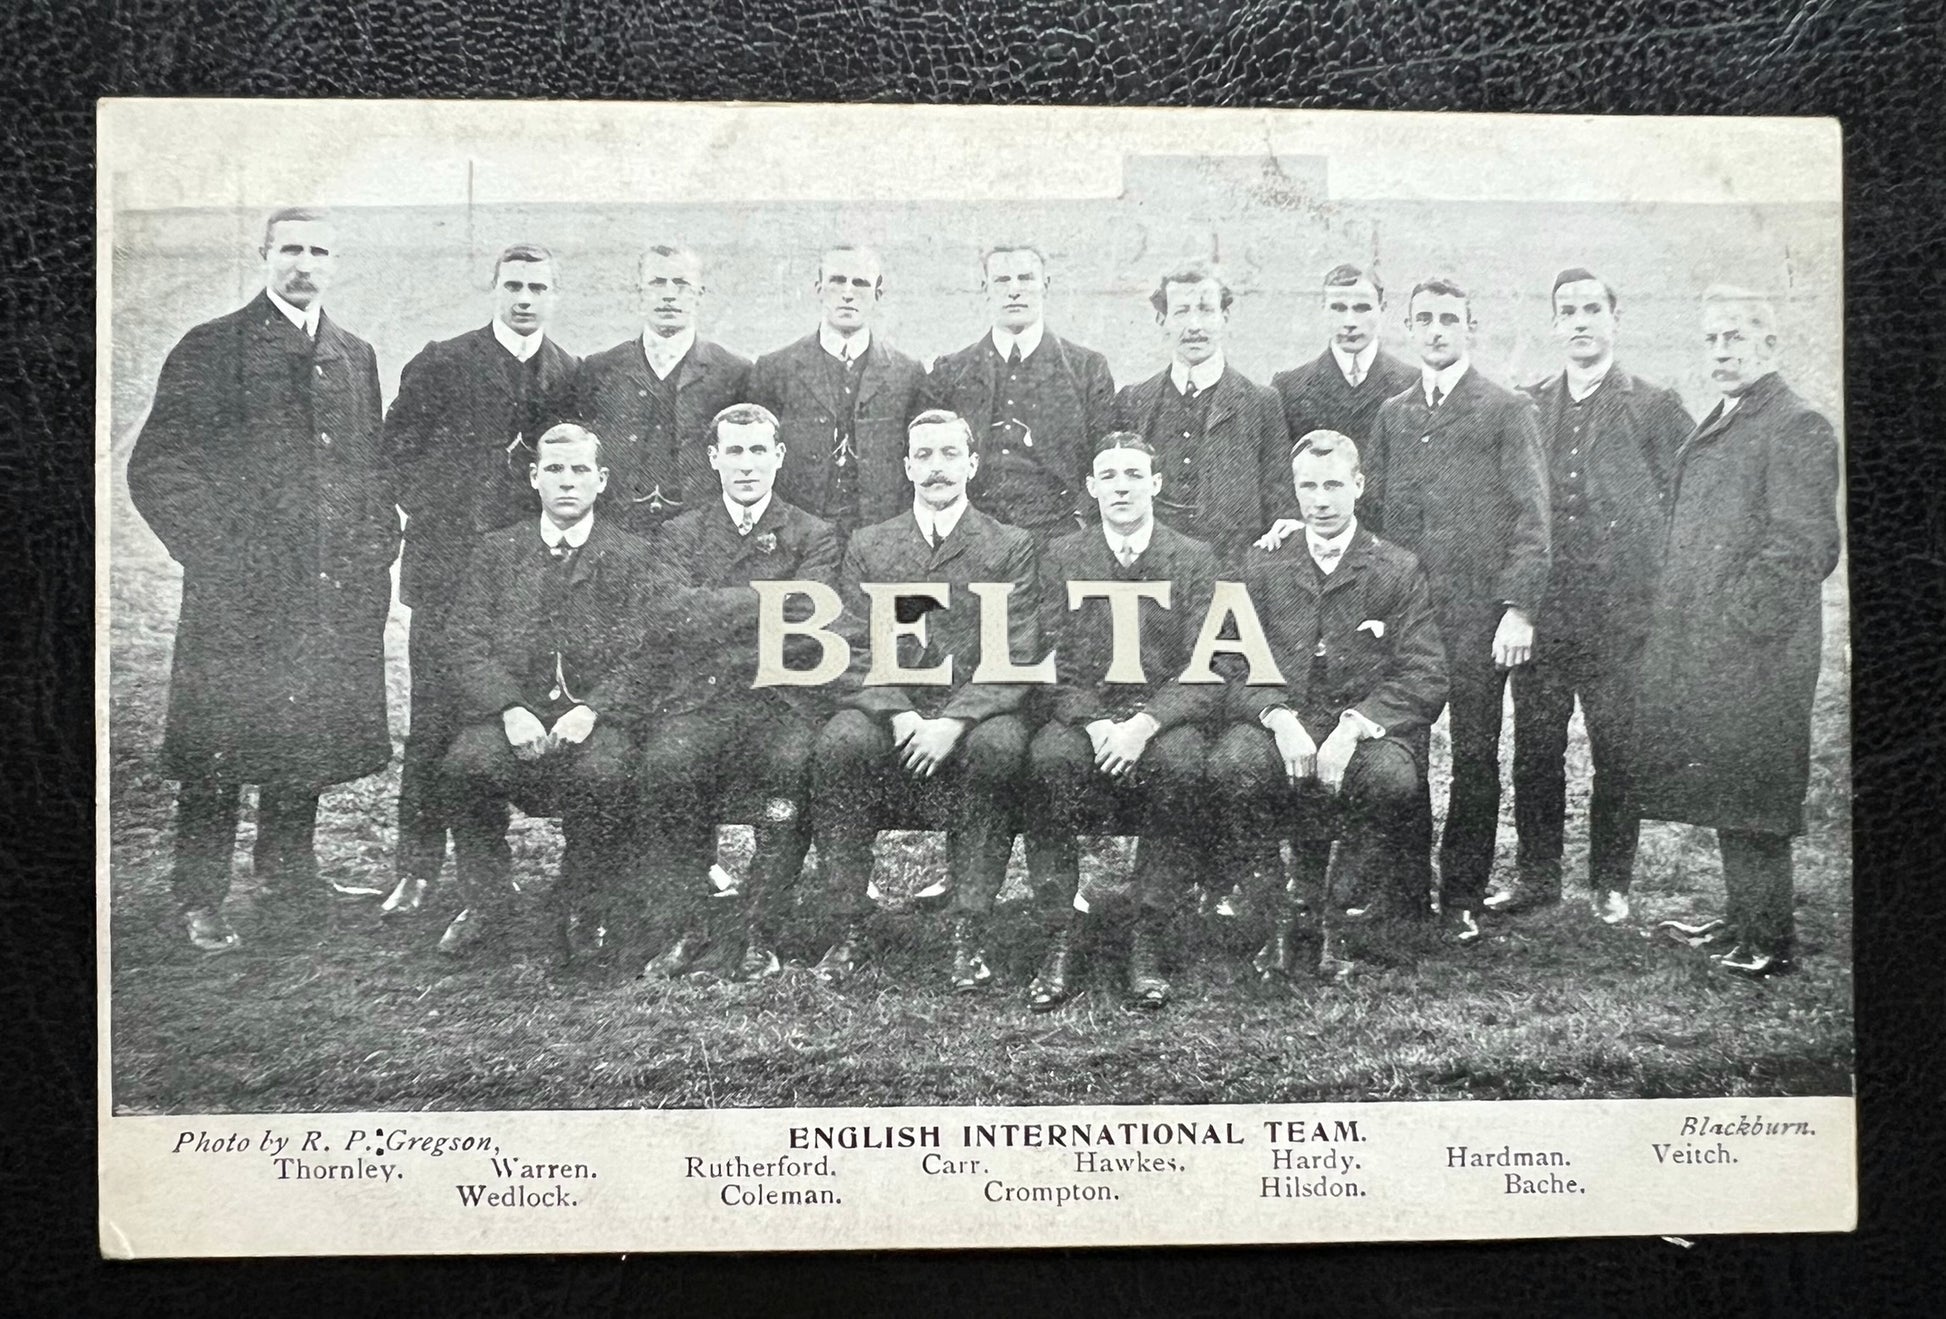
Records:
x=743, y=677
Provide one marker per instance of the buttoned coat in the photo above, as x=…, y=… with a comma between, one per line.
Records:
x=702, y=611
x=1731, y=667
x=1618, y=485
x=612, y=399
x=1076, y=413
x=1244, y=438
x=450, y=436
x=1082, y=638
x=515, y=639
x=260, y=469
x=795, y=383
x=1372, y=621
x=1464, y=489
x=1316, y=396
x=980, y=549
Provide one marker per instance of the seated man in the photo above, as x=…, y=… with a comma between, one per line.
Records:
x=911, y=751
x=1339, y=749
x=1123, y=751
x=548, y=629
x=713, y=737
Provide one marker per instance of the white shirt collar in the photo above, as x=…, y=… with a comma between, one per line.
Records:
x=1029, y=339
x=576, y=535
x=938, y=525
x=1362, y=360
x=522, y=346
x=1342, y=542
x=1447, y=379
x=840, y=347
x=1204, y=374
x=665, y=354
x=1583, y=381
x=304, y=318
x=1138, y=541
x=757, y=510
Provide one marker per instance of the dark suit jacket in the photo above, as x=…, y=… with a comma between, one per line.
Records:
x=702, y=612
x=1464, y=488
x=1611, y=494
x=1082, y=638
x=979, y=550
x=259, y=467
x=1374, y=618
x=450, y=439
x=508, y=629
x=1244, y=438
x=795, y=383
x=1074, y=415
x=613, y=399
x=1316, y=397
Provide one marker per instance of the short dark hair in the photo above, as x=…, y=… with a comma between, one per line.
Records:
x=1578, y=274
x=943, y=417
x=293, y=214
x=743, y=414
x=987, y=256
x=1444, y=286
x=568, y=432
x=1323, y=444
x=860, y=248
x=1345, y=274
x=666, y=249
x=1193, y=272
x=525, y=252
x=1124, y=440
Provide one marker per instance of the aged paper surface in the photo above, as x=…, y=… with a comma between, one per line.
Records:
x=335, y=1085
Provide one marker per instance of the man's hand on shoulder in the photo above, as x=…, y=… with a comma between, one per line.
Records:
x=1280, y=531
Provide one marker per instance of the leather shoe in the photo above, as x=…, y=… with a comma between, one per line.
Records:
x=1146, y=984
x=1698, y=934
x=1464, y=928
x=1527, y=891
x=934, y=896
x=406, y=898
x=1611, y=907
x=209, y=931
x=1049, y=987
x=971, y=974
x=678, y=957
x=468, y=931
x=842, y=958
x=759, y=963
x=1755, y=963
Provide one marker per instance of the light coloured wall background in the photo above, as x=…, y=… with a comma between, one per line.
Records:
x=411, y=274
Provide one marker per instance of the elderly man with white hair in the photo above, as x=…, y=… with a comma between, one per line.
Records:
x=1724, y=727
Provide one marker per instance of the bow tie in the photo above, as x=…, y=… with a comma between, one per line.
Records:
x=1329, y=552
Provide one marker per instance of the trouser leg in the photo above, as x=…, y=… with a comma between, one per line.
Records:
x=1243, y=780
x=206, y=820
x=1170, y=777
x=1376, y=809
x=1473, y=805
x=682, y=764
x=1608, y=698
x=1060, y=763
x=985, y=809
x=287, y=827
x=483, y=774
x=594, y=786
x=424, y=805
x=1543, y=705
x=1757, y=877
x=783, y=834
x=851, y=763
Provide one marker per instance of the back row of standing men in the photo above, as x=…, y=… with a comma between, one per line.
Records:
x=1558, y=529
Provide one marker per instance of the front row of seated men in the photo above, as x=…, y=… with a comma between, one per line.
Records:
x=612, y=680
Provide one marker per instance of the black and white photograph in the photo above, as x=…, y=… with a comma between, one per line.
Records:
x=747, y=608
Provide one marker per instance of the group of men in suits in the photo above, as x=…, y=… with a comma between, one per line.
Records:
x=1307, y=574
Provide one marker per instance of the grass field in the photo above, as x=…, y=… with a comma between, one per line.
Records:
x=347, y=1013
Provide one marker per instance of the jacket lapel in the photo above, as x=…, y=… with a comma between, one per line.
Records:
x=1352, y=566
x=872, y=368
x=809, y=370
x=694, y=367
x=277, y=332
x=1222, y=406
x=493, y=367
x=955, y=544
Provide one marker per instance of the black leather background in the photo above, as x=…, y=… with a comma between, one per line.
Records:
x=1875, y=64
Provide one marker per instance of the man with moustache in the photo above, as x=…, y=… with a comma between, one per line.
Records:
x=1723, y=734
x=1120, y=752
x=1215, y=431
x=906, y=753
x=1036, y=401
x=651, y=398
x=546, y=639
x=1339, y=747
x=711, y=737
x=1611, y=440
x=460, y=438
x=259, y=468
x=842, y=397
x=1341, y=389
x=1457, y=477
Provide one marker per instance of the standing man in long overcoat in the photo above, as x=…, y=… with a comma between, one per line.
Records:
x=1731, y=668
x=259, y=468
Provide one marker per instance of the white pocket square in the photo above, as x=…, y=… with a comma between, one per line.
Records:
x=1375, y=626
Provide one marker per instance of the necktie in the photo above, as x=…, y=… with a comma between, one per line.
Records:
x=1433, y=402
x=1355, y=374
x=1013, y=356
x=561, y=550
x=1189, y=392
x=744, y=520
x=1125, y=553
